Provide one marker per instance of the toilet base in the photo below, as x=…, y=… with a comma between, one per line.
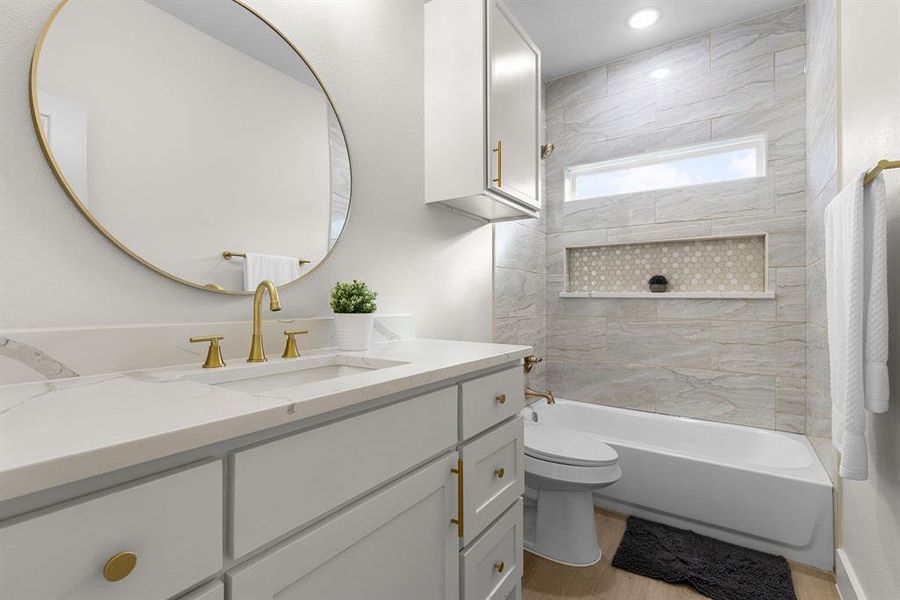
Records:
x=561, y=527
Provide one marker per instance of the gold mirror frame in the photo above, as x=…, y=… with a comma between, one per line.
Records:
x=57, y=171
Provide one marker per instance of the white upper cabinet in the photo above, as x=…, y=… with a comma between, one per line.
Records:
x=482, y=111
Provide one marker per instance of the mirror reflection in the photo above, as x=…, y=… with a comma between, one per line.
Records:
x=194, y=136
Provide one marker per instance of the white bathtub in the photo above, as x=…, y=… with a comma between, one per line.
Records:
x=753, y=487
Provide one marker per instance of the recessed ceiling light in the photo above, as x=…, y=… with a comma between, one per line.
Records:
x=644, y=17
x=660, y=73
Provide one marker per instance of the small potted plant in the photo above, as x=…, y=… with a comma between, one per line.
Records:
x=658, y=283
x=354, y=307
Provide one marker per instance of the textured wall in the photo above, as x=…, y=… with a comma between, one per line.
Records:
x=57, y=271
x=740, y=361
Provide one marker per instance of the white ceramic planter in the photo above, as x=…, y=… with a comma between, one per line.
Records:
x=354, y=331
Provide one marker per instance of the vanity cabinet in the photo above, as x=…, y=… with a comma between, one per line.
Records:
x=409, y=497
x=482, y=110
x=398, y=543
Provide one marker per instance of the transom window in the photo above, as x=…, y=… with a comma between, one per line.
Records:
x=725, y=160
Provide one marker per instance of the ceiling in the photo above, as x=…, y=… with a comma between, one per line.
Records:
x=576, y=34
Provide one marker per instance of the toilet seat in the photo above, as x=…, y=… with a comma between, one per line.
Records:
x=567, y=446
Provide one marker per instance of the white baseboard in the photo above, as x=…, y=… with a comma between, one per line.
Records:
x=847, y=582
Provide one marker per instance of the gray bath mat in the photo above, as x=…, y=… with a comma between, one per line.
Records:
x=716, y=569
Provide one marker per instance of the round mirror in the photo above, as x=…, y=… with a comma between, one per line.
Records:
x=194, y=136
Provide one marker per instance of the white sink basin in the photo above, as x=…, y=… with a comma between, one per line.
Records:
x=281, y=374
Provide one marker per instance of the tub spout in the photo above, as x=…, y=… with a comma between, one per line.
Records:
x=548, y=395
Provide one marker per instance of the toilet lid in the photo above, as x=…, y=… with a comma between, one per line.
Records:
x=567, y=446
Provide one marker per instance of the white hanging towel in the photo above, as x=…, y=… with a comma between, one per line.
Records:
x=277, y=269
x=856, y=277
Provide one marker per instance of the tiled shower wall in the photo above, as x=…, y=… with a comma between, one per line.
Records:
x=739, y=361
x=821, y=186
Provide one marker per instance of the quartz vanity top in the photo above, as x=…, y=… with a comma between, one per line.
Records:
x=65, y=430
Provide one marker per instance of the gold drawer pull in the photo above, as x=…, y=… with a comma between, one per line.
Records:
x=119, y=566
x=499, y=566
x=499, y=151
x=501, y=398
x=458, y=471
x=500, y=472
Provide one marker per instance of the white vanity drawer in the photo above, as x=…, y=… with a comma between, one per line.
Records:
x=282, y=485
x=490, y=399
x=493, y=475
x=492, y=567
x=172, y=524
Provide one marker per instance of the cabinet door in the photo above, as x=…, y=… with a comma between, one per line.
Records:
x=397, y=543
x=513, y=95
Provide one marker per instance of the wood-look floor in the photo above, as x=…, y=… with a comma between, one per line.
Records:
x=546, y=580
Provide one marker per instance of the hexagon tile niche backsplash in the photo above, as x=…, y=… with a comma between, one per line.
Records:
x=705, y=265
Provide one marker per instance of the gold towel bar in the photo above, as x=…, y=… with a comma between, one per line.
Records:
x=882, y=165
x=228, y=255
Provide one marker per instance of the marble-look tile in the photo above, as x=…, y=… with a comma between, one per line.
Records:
x=761, y=347
x=717, y=396
x=821, y=62
x=790, y=184
x=611, y=384
x=576, y=337
x=554, y=375
x=555, y=285
x=610, y=307
x=684, y=58
x=554, y=128
x=816, y=311
x=787, y=235
x=790, y=404
x=657, y=139
x=577, y=88
x=716, y=200
x=815, y=220
x=518, y=293
x=821, y=155
x=783, y=124
x=731, y=310
x=613, y=116
x=558, y=242
x=790, y=293
x=790, y=75
x=818, y=394
x=726, y=90
x=517, y=246
x=760, y=36
x=660, y=232
x=524, y=331
x=682, y=343
x=611, y=211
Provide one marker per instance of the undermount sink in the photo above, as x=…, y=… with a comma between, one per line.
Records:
x=281, y=374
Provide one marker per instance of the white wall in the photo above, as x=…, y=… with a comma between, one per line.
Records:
x=870, y=130
x=55, y=270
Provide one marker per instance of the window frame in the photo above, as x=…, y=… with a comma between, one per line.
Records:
x=758, y=141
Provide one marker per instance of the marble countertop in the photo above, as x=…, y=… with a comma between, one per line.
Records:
x=65, y=430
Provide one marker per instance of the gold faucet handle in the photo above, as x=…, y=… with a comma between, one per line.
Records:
x=290, y=348
x=214, y=355
x=530, y=361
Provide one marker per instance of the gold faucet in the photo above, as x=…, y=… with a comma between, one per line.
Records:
x=548, y=395
x=257, y=353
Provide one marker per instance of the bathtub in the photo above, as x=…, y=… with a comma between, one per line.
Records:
x=760, y=489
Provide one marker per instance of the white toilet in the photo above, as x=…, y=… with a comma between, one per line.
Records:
x=563, y=467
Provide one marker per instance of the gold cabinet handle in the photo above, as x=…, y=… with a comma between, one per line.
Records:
x=499, y=566
x=214, y=358
x=458, y=471
x=499, y=472
x=501, y=398
x=290, y=347
x=499, y=150
x=119, y=566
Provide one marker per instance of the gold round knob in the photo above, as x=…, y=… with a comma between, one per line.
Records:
x=119, y=566
x=499, y=566
x=500, y=472
x=501, y=398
